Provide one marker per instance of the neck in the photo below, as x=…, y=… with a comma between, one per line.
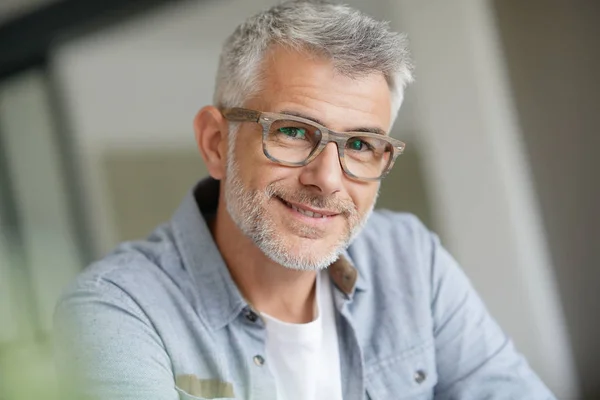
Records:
x=283, y=293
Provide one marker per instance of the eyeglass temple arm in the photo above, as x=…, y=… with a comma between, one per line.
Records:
x=241, y=114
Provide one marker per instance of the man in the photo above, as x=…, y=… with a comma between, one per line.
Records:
x=275, y=279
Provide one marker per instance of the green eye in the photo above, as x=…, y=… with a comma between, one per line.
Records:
x=356, y=145
x=297, y=133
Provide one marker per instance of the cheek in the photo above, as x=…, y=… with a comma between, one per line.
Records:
x=248, y=142
x=258, y=172
x=248, y=155
x=363, y=196
x=256, y=169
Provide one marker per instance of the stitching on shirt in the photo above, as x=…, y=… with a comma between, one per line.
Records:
x=376, y=367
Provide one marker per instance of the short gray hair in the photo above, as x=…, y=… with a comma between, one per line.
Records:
x=356, y=43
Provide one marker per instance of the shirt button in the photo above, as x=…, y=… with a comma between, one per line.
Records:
x=420, y=376
x=259, y=360
x=251, y=316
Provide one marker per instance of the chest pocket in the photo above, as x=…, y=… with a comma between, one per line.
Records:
x=190, y=387
x=410, y=376
x=186, y=396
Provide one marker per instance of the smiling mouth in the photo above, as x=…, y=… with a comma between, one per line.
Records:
x=307, y=213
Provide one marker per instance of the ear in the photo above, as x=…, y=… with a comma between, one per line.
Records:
x=211, y=137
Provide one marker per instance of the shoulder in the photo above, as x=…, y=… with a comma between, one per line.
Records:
x=105, y=332
x=396, y=233
x=134, y=272
x=394, y=256
x=394, y=247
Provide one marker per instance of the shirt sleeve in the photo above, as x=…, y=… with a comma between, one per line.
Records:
x=475, y=358
x=106, y=347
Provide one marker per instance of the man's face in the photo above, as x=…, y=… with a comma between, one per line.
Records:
x=273, y=204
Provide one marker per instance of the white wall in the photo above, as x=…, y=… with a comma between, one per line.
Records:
x=480, y=178
x=553, y=54
x=140, y=84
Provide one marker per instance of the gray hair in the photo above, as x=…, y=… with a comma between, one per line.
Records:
x=356, y=43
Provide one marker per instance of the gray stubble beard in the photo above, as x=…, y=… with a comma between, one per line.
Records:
x=247, y=210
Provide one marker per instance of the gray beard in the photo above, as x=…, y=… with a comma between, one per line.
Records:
x=247, y=210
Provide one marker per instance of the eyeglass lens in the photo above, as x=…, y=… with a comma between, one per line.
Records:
x=294, y=142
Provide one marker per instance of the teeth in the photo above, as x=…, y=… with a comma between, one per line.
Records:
x=306, y=212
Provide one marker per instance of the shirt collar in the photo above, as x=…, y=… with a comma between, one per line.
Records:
x=219, y=301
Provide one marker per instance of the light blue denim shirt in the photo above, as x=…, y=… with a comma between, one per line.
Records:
x=162, y=319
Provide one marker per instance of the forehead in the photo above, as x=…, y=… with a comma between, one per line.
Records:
x=308, y=84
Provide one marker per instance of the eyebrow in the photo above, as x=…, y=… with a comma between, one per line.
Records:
x=375, y=130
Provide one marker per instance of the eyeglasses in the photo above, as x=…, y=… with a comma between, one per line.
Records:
x=295, y=142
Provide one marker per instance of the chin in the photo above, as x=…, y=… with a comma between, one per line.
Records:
x=305, y=255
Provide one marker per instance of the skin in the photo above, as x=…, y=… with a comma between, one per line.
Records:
x=279, y=278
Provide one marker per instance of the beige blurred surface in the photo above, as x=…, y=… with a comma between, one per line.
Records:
x=146, y=187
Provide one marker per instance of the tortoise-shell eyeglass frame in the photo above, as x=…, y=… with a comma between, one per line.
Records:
x=266, y=119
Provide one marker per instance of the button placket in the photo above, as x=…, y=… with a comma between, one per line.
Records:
x=262, y=383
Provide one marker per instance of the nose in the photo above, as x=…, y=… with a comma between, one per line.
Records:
x=324, y=173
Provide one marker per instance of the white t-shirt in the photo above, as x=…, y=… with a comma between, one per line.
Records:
x=304, y=358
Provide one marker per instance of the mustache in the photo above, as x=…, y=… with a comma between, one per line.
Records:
x=340, y=206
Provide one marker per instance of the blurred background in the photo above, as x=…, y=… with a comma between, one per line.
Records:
x=96, y=146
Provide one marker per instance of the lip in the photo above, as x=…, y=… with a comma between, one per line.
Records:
x=327, y=214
